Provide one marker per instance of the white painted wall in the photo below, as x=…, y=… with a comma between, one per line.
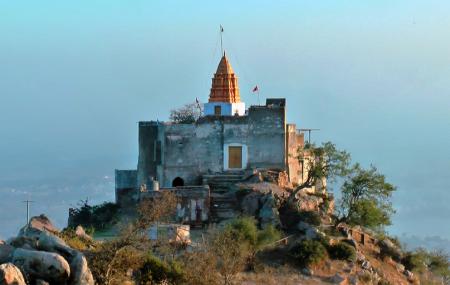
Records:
x=226, y=155
x=228, y=109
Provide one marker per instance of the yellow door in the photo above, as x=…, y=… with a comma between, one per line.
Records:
x=235, y=157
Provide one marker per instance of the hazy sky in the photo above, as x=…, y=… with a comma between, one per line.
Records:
x=76, y=77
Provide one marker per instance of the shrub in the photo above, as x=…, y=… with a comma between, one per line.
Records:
x=310, y=217
x=309, y=252
x=389, y=249
x=291, y=216
x=268, y=235
x=245, y=228
x=94, y=217
x=415, y=261
x=384, y=282
x=74, y=241
x=365, y=277
x=187, y=114
x=154, y=270
x=439, y=263
x=342, y=251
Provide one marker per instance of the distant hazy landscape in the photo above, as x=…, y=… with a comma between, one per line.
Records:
x=75, y=79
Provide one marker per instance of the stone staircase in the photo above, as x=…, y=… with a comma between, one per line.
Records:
x=223, y=202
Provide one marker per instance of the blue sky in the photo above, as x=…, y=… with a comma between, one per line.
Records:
x=76, y=76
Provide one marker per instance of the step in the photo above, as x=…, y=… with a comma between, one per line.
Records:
x=225, y=215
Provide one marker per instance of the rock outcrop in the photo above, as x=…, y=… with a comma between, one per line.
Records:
x=11, y=275
x=39, y=254
x=43, y=265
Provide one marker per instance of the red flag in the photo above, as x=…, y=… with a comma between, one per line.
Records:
x=255, y=89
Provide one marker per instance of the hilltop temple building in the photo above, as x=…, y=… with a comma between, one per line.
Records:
x=228, y=140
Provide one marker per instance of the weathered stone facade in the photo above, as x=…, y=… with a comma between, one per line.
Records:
x=182, y=154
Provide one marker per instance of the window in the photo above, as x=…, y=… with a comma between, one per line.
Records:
x=217, y=110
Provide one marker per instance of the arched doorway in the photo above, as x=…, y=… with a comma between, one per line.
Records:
x=178, y=182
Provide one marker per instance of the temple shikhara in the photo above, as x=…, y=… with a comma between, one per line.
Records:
x=201, y=160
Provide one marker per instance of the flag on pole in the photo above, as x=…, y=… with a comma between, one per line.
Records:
x=198, y=104
x=255, y=89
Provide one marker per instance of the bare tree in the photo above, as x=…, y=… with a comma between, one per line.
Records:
x=161, y=207
x=112, y=260
x=187, y=114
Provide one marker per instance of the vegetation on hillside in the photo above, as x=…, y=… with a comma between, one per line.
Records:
x=224, y=253
x=97, y=217
x=365, y=193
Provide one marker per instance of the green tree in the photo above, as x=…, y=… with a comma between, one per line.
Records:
x=366, y=198
x=321, y=162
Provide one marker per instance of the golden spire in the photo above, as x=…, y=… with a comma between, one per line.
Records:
x=224, y=83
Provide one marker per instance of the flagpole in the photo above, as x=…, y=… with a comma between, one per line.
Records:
x=259, y=103
x=221, y=42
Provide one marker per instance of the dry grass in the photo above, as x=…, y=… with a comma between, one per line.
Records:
x=274, y=276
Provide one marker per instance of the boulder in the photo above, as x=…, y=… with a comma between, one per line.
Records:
x=6, y=252
x=81, y=274
x=250, y=204
x=11, y=275
x=338, y=279
x=81, y=233
x=388, y=248
x=42, y=223
x=49, y=242
x=268, y=213
x=23, y=242
x=265, y=188
x=366, y=265
x=409, y=275
x=310, y=203
x=400, y=267
x=309, y=231
x=307, y=271
x=48, y=266
x=36, y=225
x=303, y=227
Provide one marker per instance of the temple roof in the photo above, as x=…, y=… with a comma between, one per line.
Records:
x=224, y=83
x=224, y=66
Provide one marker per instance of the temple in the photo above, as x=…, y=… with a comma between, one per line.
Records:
x=226, y=144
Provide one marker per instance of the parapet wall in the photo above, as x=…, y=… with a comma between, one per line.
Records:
x=193, y=203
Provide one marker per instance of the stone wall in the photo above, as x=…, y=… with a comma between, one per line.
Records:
x=126, y=186
x=149, y=151
x=294, y=141
x=193, y=203
x=188, y=151
x=266, y=135
x=192, y=150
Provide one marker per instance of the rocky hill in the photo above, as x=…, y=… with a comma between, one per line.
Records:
x=262, y=241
